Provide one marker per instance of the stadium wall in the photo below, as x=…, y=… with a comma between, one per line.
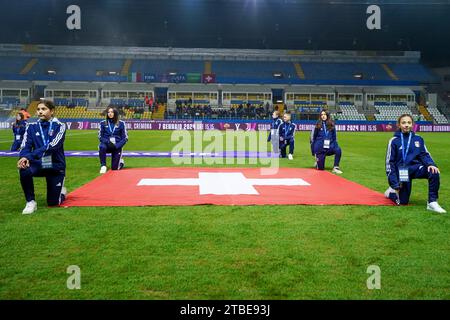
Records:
x=343, y=126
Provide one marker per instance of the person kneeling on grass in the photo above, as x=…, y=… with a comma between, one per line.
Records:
x=18, y=128
x=324, y=142
x=407, y=158
x=113, y=135
x=286, y=134
x=42, y=155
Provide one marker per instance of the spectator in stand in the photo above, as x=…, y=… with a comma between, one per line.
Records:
x=150, y=103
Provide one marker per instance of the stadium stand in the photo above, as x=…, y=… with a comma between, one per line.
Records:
x=348, y=112
x=252, y=70
x=343, y=71
x=412, y=71
x=12, y=65
x=85, y=80
x=14, y=93
x=73, y=94
x=309, y=100
x=390, y=112
x=165, y=66
x=437, y=115
x=77, y=66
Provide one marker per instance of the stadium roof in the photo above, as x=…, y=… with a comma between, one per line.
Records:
x=349, y=90
x=247, y=88
x=193, y=87
x=125, y=86
x=388, y=90
x=15, y=84
x=72, y=86
x=309, y=89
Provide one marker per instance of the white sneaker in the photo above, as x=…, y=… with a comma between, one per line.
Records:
x=121, y=164
x=388, y=192
x=290, y=157
x=434, y=206
x=103, y=169
x=337, y=170
x=30, y=207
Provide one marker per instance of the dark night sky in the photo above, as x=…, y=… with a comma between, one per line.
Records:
x=272, y=24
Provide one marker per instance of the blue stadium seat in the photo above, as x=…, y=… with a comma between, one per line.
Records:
x=253, y=69
x=166, y=66
x=62, y=101
x=11, y=101
x=412, y=71
x=343, y=71
x=80, y=102
x=136, y=102
x=12, y=65
x=118, y=102
x=78, y=67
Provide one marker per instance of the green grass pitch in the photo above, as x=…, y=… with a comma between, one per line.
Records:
x=226, y=252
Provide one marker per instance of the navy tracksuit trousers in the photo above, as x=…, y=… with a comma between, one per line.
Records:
x=328, y=152
x=55, y=182
x=116, y=154
x=283, y=146
x=418, y=172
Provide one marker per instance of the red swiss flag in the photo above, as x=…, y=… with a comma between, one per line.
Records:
x=221, y=186
x=209, y=78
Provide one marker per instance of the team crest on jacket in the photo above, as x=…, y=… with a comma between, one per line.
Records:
x=417, y=144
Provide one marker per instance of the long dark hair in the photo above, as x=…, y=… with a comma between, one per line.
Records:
x=22, y=117
x=115, y=119
x=330, y=122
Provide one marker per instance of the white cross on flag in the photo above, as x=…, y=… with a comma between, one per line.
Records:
x=209, y=78
x=224, y=183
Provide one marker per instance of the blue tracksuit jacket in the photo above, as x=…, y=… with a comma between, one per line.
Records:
x=119, y=132
x=33, y=147
x=274, y=126
x=417, y=155
x=18, y=131
x=286, y=130
x=318, y=138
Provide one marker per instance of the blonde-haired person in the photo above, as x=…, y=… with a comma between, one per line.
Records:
x=286, y=134
x=407, y=158
x=273, y=134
